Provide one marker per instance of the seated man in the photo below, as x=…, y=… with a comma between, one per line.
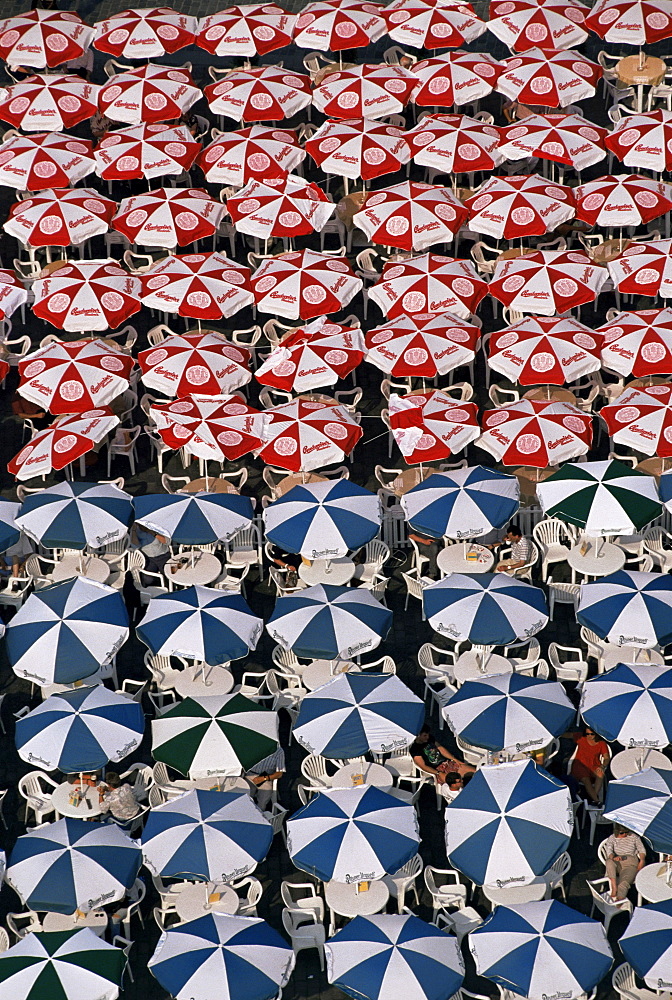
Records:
x=262, y=776
x=449, y=785
x=626, y=855
x=119, y=799
x=521, y=551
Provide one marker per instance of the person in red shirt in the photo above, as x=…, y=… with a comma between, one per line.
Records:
x=589, y=762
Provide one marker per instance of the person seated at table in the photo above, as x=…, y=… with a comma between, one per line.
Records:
x=589, y=761
x=289, y=561
x=521, y=550
x=13, y=559
x=429, y=548
x=262, y=776
x=449, y=784
x=432, y=758
x=119, y=800
x=626, y=855
x=154, y=547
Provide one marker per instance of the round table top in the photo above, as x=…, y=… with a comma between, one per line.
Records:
x=600, y=559
x=91, y=567
x=551, y=394
x=330, y=68
x=198, y=681
x=629, y=654
x=604, y=252
x=510, y=895
x=655, y=466
x=347, y=902
x=338, y=572
x=648, y=380
x=641, y=69
x=87, y=808
x=409, y=478
x=453, y=558
x=189, y=569
x=467, y=666
x=320, y=672
x=190, y=899
x=514, y=252
x=652, y=886
x=297, y=479
x=211, y=484
x=638, y=759
x=95, y=919
x=373, y=774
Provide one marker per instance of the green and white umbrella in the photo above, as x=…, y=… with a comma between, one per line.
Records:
x=214, y=735
x=603, y=498
x=61, y=965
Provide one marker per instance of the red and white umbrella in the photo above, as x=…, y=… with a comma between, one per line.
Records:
x=638, y=343
x=428, y=426
x=249, y=30
x=455, y=144
x=47, y=159
x=48, y=102
x=62, y=442
x=262, y=93
x=423, y=345
x=286, y=206
x=304, y=284
x=334, y=25
x=360, y=147
x=526, y=205
x=148, y=94
x=644, y=269
x=203, y=286
x=429, y=283
x=548, y=77
x=547, y=282
x=145, y=151
x=643, y=140
x=315, y=355
x=12, y=293
x=60, y=218
x=411, y=216
x=169, y=217
x=257, y=153
x=568, y=139
x=455, y=78
x=73, y=377
x=199, y=361
x=305, y=434
x=367, y=91
x=432, y=24
x=536, y=433
x=145, y=32
x=544, y=350
x=642, y=419
x=617, y=200
x=635, y=22
x=87, y=295
x=549, y=24
x=214, y=428
x=43, y=38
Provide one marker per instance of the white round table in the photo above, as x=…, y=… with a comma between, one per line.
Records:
x=629, y=654
x=373, y=774
x=601, y=558
x=188, y=570
x=95, y=919
x=512, y=894
x=638, y=759
x=89, y=807
x=651, y=886
x=338, y=572
x=190, y=899
x=91, y=567
x=467, y=666
x=320, y=672
x=453, y=559
x=197, y=681
x=347, y=902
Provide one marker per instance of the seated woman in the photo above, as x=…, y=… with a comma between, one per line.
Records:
x=589, y=763
x=626, y=855
x=433, y=758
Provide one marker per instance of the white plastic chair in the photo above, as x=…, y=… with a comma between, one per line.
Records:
x=560, y=592
x=403, y=881
x=550, y=535
x=568, y=667
x=445, y=889
x=36, y=788
x=653, y=545
x=302, y=896
x=624, y=983
x=376, y=554
x=460, y=922
x=304, y=931
x=555, y=876
x=124, y=445
x=606, y=907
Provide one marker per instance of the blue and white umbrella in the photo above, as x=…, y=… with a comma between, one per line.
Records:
x=66, y=632
x=485, y=608
x=80, y=730
x=74, y=515
x=323, y=520
x=201, y=623
x=9, y=530
x=230, y=958
x=642, y=802
x=329, y=622
x=629, y=608
x=211, y=835
x=355, y=713
x=194, y=518
x=631, y=704
x=465, y=503
x=509, y=711
x=509, y=824
x=646, y=943
x=73, y=864
x=353, y=834
x=390, y=955
x=541, y=949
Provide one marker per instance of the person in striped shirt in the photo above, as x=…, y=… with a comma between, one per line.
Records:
x=626, y=855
